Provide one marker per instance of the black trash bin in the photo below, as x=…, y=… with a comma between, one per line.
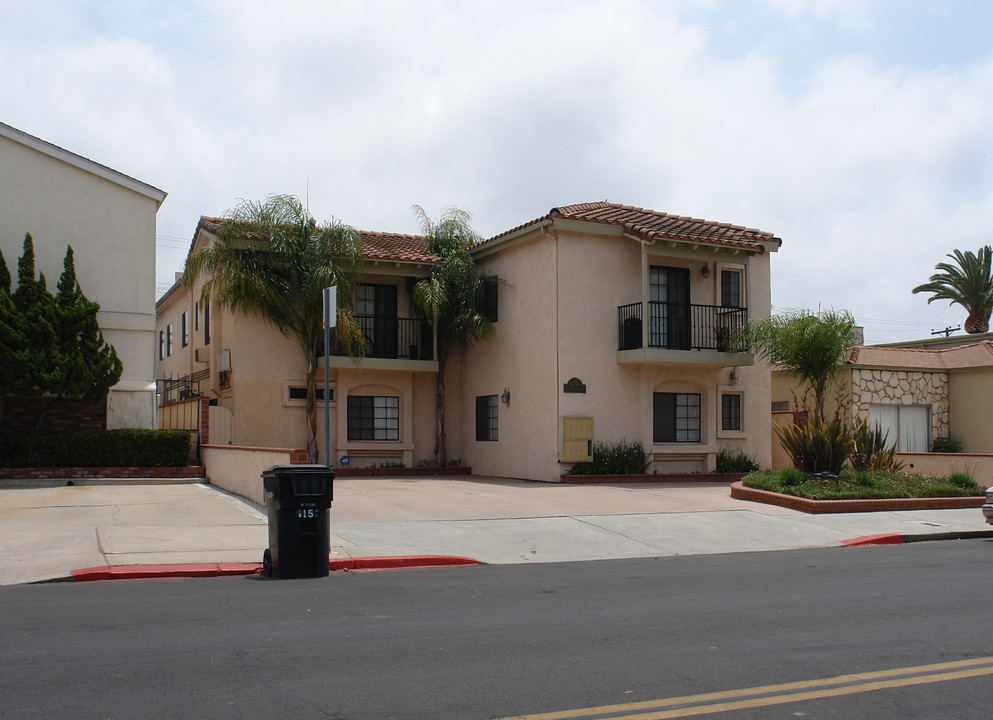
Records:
x=298, y=505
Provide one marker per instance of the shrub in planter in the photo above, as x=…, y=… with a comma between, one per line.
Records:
x=946, y=445
x=735, y=461
x=98, y=448
x=620, y=458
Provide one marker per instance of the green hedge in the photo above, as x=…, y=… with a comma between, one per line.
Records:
x=97, y=448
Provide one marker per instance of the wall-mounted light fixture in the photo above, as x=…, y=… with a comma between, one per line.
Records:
x=733, y=376
x=705, y=270
x=505, y=397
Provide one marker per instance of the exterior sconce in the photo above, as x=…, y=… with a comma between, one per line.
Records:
x=505, y=397
x=705, y=270
x=733, y=377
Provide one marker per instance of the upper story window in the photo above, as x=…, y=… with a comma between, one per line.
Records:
x=731, y=288
x=490, y=299
x=206, y=323
x=184, y=326
x=196, y=316
x=168, y=340
x=161, y=344
x=376, y=314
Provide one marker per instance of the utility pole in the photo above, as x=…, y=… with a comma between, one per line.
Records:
x=947, y=331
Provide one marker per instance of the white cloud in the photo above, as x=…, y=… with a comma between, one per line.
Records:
x=869, y=171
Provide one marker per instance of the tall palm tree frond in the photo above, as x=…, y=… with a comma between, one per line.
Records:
x=968, y=282
x=272, y=260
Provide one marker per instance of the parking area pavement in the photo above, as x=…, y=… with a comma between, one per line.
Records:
x=47, y=532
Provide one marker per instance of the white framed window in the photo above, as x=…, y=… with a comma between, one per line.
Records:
x=373, y=417
x=907, y=426
x=731, y=285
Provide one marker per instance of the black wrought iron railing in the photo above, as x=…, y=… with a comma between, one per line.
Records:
x=392, y=338
x=680, y=326
x=182, y=388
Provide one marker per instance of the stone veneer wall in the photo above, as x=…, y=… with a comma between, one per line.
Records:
x=902, y=387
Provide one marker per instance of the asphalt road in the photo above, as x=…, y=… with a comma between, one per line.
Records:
x=508, y=641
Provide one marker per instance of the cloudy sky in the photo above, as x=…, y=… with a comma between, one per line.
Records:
x=858, y=131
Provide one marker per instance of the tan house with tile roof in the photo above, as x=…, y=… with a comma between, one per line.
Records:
x=108, y=218
x=610, y=324
x=916, y=391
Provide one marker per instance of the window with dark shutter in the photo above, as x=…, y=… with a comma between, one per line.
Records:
x=676, y=417
x=490, y=298
x=486, y=418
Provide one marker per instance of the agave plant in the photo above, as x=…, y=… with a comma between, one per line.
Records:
x=968, y=283
x=872, y=449
x=817, y=445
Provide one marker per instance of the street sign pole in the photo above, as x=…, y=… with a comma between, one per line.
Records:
x=330, y=320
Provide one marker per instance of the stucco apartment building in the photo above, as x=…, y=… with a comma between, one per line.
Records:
x=610, y=323
x=108, y=218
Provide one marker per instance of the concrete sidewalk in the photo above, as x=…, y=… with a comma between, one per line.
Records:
x=46, y=533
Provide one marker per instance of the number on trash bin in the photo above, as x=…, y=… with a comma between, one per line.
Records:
x=308, y=512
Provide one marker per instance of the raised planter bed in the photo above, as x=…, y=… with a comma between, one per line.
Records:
x=667, y=478
x=401, y=472
x=741, y=492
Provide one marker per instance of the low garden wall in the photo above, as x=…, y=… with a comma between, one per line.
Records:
x=239, y=469
x=979, y=466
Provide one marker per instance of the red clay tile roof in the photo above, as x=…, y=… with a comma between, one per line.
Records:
x=651, y=225
x=965, y=357
x=387, y=247
x=395, y=247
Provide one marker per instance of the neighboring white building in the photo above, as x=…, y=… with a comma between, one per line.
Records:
x=109, y=220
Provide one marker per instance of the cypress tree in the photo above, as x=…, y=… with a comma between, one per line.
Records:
x=35, y=340
x=13, y=342
x=86, y=366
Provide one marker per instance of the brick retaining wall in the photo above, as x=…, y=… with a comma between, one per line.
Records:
x=741, y=492
x=20, y=413
x=652, y=478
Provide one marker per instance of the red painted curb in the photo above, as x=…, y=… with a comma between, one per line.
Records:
x=400, y=561
x=145, y=572
x=887, y=539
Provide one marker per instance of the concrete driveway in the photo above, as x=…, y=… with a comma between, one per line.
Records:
x=47, y=532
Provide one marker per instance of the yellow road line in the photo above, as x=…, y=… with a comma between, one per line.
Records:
x=725, y=701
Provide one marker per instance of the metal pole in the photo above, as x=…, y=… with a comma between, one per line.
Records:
x=327, y=396
x=330, y=320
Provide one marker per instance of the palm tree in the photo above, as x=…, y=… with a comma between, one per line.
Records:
x=968, y=283
x=811, y=348
x=451, y=297
x=273, y=260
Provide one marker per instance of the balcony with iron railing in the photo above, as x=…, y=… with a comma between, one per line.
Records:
x=392, y=338
x=181, y=388
x=680, y=332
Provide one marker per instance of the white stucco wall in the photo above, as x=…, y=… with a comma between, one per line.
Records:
x=111, y=228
